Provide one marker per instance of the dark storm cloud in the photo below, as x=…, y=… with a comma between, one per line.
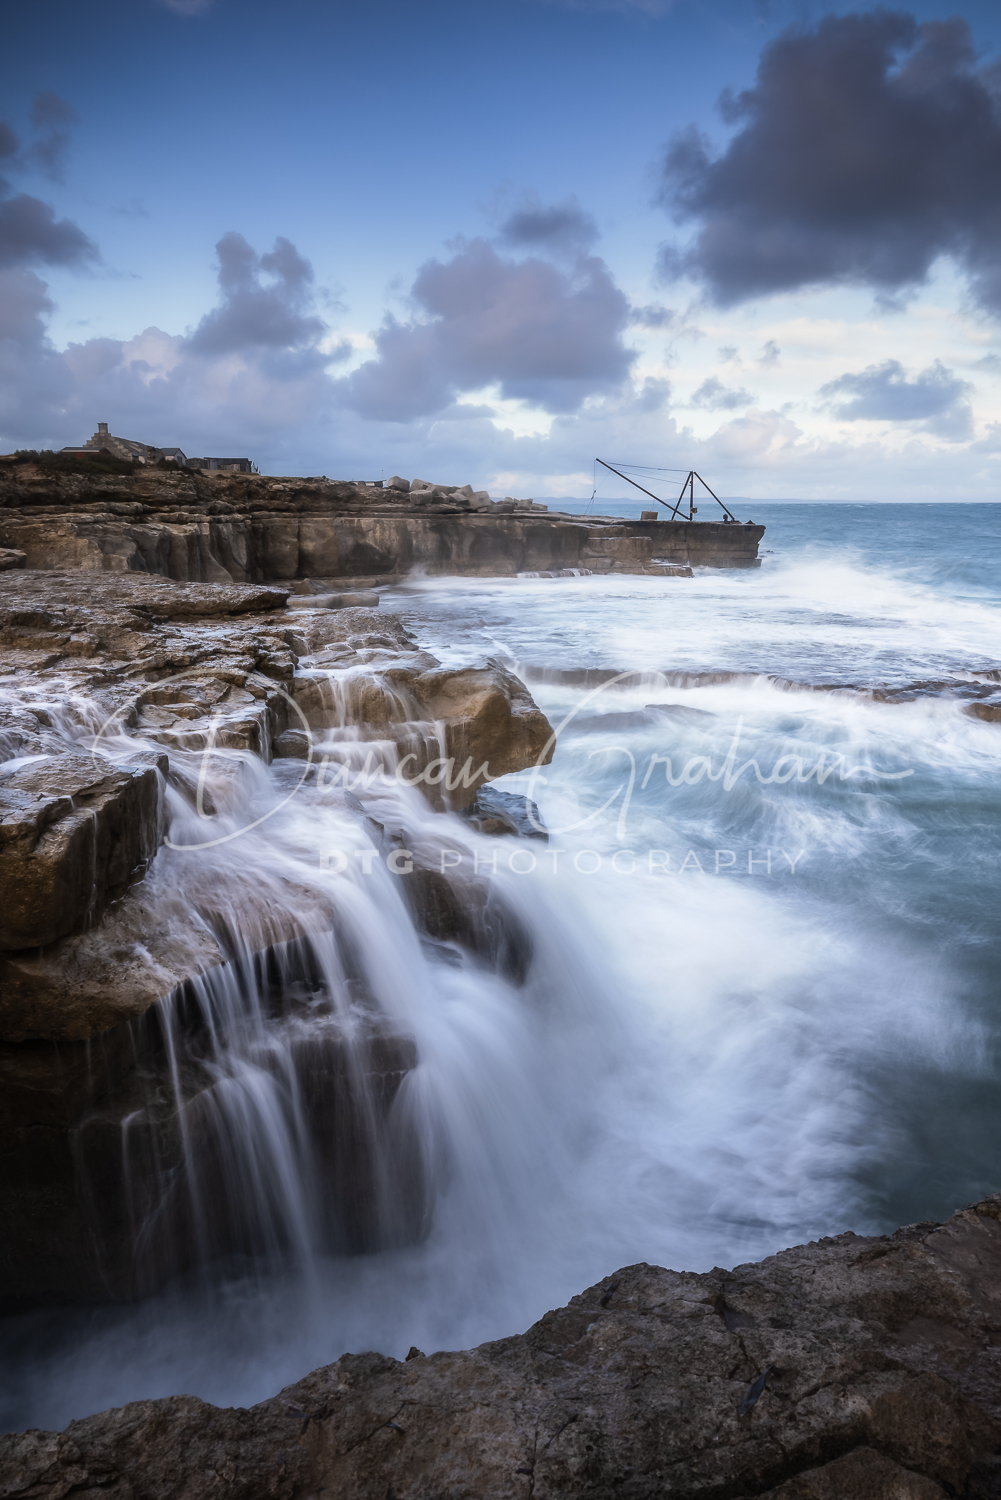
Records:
x=867, y=148
x=545, y=335
x=882, y=393
x=30, y=234
x=255, y=313
x=561, y=228
x=715, y=396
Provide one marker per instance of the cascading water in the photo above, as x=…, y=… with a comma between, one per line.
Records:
x=745, y=995
x=296, y=1102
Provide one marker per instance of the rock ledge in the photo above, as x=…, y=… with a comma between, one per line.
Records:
x=850, y=1367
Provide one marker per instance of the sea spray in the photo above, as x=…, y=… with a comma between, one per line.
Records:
x=742, y=1018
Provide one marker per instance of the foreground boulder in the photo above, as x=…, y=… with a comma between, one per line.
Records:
x=851, y=1367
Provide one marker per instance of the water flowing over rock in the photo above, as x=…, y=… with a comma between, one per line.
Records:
x=850, y=1367
x=225, y=900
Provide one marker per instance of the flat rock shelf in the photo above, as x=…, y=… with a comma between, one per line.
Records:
x=241, y=528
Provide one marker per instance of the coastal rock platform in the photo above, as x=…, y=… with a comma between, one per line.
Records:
x=117, y=691
x=852, y=1368
x=196, y=526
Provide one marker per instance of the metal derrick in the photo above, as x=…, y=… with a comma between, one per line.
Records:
x=689, y=484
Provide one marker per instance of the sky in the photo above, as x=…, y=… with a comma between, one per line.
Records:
x=490, y=242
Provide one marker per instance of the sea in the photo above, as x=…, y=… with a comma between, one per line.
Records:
x=764, y=1002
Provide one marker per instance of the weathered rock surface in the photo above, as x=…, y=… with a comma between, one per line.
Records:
x=849, y=1369
x=487, y=722
x=215, y=527
x=113, y=687
x=91, y=662
x=74, y=833
x=499, y=813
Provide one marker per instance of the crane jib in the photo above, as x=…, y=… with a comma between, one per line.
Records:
x=674, y=507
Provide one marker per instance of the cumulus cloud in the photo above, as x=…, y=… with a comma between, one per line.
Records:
x=559, y=228
x=255, y=370
x=715, y=396
x=254, y=313
x=868, y=147
x=30, y=233
x=548, y=336
x=882, y=393
x=24, y=306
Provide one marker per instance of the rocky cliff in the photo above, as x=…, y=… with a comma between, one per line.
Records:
x=117, y=691
x=855, y=1368
x=196, y=526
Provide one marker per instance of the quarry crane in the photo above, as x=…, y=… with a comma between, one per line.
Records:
x=674, y=507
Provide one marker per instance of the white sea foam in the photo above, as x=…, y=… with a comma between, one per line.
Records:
x=699, y=1067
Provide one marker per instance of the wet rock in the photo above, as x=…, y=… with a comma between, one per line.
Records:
x=357, y=599
x=75, y=832
x=491, y=720
x=93, y=936
x=495, y=812
x=481, y=722
x=882, y=1381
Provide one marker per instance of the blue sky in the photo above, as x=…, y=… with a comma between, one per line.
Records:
x=482, y=242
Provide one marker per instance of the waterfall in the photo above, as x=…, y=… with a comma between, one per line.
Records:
x=363, y=1048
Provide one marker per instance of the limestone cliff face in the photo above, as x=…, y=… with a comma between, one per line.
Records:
x=236, y=528
x=849, y=1369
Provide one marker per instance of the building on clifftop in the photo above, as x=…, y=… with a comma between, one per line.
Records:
x=132, y=451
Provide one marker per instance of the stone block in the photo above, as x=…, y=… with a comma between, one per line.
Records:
x=74, y=832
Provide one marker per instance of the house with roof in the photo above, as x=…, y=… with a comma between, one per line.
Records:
x=132, y=451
